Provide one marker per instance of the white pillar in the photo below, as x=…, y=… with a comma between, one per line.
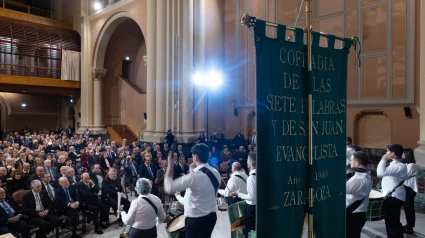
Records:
x=111, y=2
x=161, y=68
x=86, y=74
x=200, y=120
x=187, y=132
x=98, y=76
x=151, y=72
x=420, y=151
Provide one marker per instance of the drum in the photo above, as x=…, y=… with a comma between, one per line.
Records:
x=125, y=231
x=222, y=204
x=375, y=208
x=175, y=206
x=175, y=227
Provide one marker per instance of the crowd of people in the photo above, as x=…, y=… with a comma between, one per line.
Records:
x=66, y=173
x=398, y=171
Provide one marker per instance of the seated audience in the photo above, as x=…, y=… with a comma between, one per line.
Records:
x=17, y=183
x=68, y=203
x=110, y=188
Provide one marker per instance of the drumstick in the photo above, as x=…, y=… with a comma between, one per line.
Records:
x=226, y=186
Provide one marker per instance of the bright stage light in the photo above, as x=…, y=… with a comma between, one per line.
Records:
x=97, y=6
x=214, y=79
x=127, y=58
x=197, y=78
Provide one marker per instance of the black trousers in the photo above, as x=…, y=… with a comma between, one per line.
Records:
x=355, y=223
x=114, y=204
x=200, y=227
x=136, y=233
x=21, y=227
x=45, y=224
x=392, y=207
x=100, y=212
x=72, y=215
x=249, y=219
x=409, y=206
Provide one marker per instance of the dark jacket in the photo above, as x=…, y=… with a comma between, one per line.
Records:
x=144, y=172
x=110, y=188
x=87, y=194
x=61, y=197
x=4, y=216
x=16, y=185
x=28, y=203
x=178, y=171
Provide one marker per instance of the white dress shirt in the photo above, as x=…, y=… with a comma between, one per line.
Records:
x=358, y=187
x=141, y=214
x=180, y=199
x=391, y=177
x=348, y=155
x=250, y=197
x=235, y=184
x=200, y=197
x=412, y=170
x=38, y=204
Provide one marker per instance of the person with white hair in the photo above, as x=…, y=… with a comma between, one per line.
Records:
x=144, y=211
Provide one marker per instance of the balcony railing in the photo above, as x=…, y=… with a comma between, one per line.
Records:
x=25, y=8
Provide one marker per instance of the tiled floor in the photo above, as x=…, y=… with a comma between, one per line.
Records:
x=222, y=229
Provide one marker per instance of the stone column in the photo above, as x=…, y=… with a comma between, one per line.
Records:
x=200, y=120
x=187, y=133
x=151, y=72
x=161, y=68
x=98, y=76
x=111, y=2
x=420, y=151
x=86, y=74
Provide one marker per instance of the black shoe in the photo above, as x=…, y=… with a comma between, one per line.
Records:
x=407, y=229
x=121, y=224
x=103, y=226
x=75, y=236
x=98, y=231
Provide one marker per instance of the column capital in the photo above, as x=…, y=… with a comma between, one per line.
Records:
x=99, y=74
x=145, y=58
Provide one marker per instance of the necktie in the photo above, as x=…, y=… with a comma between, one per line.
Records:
x=133, y=169
x=68, y=197
x=49, y=191
x=150, y=171
x=37, y=197
x=51, y=174
x=6, y=207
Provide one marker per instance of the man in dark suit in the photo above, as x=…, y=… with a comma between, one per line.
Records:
x=89, y=199
x=180, y=151
x=39, y=172
x=239, y=139
x=38, y=206
x=10, y=217
x=27, y=172
x=69, y=131
x=110, y=188
x=68, y=203
x=147, y=170
x=130, y=169
x=73, y=155
x=96, y=175
x=160, y=173
x=72, y=178
x=51, y=170
x=112, y=155
x=92, y=158
x=47, y=186
x=181, y=168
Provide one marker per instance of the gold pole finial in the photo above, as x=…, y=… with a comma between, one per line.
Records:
x=245, y=19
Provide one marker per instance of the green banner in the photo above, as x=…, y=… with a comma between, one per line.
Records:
x=282, y=132
x=282, y=127
x=328, y=86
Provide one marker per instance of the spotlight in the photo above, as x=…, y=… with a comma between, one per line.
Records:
x=214, y=79
x=127, y=58
x=23, y=105
x=97, y=6
x=71, y=101
x=197, y=78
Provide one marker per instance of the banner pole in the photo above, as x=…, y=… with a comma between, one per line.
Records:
x=308, y=30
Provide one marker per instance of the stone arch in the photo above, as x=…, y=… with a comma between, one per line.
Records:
x=251, y=122
x=68, y=115
x=372, y=120
x=104, y=35
x=5, y=111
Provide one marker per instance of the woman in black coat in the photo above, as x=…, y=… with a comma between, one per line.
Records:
x=18, y=182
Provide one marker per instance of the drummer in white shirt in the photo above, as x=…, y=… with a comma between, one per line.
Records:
x=143, y=212
x=411, y=186
x=357, y=197
x=200, y=203
x=251, y=196
x=236, y=183
x=392, y=176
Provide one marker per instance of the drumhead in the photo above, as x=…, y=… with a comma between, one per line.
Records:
x=176, y=224
x=375, y=194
